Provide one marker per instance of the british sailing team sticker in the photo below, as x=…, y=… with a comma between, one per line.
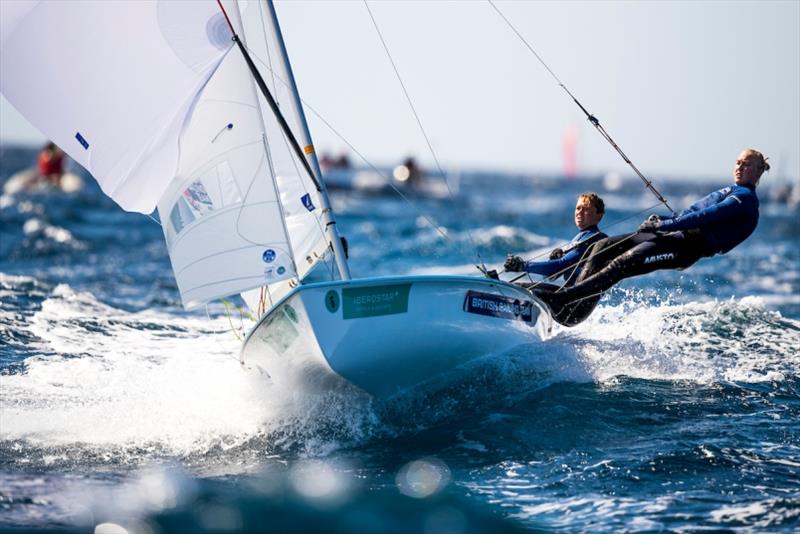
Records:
x=499, y=306
x=374, y=301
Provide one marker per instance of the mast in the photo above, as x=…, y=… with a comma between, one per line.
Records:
x=308, y=148
x=238, y=16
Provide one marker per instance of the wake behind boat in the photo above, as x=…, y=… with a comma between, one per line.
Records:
x=228, y=159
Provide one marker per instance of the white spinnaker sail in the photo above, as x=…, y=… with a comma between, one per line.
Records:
x=112, y=83
x=225, y=227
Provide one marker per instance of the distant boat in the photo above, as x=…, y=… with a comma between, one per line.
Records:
x=29, y=181
x=391, y=180
x=188, y=123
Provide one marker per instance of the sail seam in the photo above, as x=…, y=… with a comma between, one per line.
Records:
x=222, y=252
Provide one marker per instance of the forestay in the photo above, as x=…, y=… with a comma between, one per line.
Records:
x=298, y=193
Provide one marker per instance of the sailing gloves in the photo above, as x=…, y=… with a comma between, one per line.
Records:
x=514, y=264
x=556, y=254
x=651, y=224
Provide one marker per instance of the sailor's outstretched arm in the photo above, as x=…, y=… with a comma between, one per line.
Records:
x=707, y=201
x=551, y=267
x=729, y=208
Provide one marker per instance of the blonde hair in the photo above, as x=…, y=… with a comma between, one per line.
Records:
x=761, y=160
x=595, y=200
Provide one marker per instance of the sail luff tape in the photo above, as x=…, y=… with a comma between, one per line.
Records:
x=308, y=149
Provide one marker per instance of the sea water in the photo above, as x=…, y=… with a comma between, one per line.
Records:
x=676, y=406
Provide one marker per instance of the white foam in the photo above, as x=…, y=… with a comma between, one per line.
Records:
x=484, y=236
x=152, y=380
x=706, y=342
x=130, y=379
x=39, y=227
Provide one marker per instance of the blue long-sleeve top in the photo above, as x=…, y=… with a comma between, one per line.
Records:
x=573, y=251
x=724, y=218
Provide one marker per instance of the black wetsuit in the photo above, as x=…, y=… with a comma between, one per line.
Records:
x=715, y=224
x=572, y=253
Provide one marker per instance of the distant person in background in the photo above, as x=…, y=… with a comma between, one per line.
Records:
x=714, y=225
x=342, y=162
x=50, y=164
x=564, y=261
x=414, y=172
x=325, y=162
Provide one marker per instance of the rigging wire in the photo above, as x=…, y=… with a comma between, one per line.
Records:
x=419, y=123
x=377, y=171
x=361, y=156
x=329, y=262
x=591, y=118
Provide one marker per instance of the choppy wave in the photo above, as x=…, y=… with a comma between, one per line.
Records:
x=707, y=342
x=674, y=407
x=124, y=386
x=132, y=386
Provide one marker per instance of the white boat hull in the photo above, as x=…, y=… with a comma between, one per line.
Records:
x=386, y=335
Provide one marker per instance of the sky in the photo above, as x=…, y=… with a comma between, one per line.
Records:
x=682, y=87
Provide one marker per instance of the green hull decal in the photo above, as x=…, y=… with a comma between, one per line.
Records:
x=374, y=301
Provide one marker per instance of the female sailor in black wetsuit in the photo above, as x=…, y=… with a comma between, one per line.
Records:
x=714, y=225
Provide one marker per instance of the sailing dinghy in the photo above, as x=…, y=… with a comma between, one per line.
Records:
x=191, y=106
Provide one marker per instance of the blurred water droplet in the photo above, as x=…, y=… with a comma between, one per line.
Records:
x=423, y=478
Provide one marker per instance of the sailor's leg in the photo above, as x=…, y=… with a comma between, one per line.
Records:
x=663, y=251
x=597, y=258
x=604, y=251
